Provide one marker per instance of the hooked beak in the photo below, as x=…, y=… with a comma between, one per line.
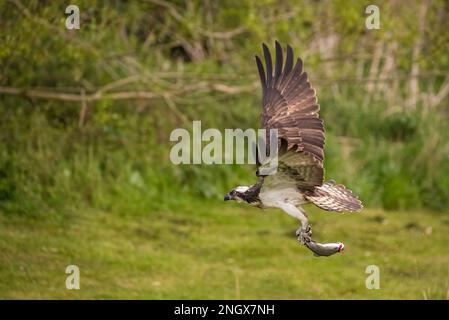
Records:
x=227, y=197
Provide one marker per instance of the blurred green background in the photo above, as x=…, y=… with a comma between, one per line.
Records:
x=85, y=174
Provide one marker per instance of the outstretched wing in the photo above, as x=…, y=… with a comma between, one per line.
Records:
x=290, y=105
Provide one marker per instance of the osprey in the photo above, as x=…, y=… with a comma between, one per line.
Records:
x=290, y=106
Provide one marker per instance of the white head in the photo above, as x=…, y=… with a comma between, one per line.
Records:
x=237, y=194
x=241, y=189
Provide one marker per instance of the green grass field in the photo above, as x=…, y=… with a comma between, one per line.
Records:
x=223, y=251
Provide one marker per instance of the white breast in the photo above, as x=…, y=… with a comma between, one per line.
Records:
x=275, y=197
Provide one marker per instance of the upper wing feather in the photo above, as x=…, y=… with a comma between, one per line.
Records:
x=290, y=105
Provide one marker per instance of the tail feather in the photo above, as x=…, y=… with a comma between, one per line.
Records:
x=334, y=197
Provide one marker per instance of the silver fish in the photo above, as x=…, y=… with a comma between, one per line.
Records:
x=324, y=249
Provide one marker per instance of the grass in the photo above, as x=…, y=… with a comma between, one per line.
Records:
x=222, y=251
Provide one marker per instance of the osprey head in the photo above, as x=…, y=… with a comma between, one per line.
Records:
x=237, y=194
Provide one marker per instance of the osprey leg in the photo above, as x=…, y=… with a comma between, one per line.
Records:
x=304, y=233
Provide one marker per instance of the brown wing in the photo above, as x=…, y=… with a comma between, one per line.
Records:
x=290, y=105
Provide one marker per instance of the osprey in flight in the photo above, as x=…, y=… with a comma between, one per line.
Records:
x=290, y=106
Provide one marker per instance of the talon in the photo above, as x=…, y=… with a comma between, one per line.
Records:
x=304, y=238
x=309, y=231
x=304, y=234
